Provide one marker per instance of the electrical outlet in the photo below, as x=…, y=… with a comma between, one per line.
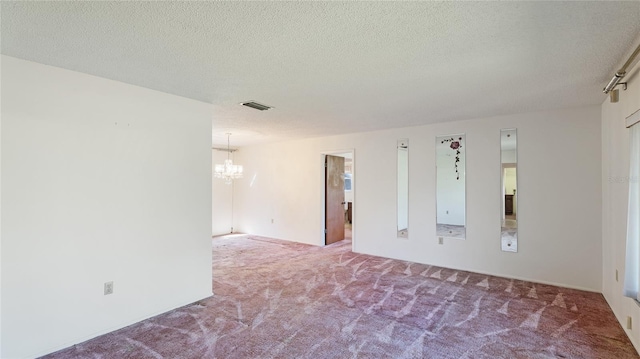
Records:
x=440, y=240
x=108, y=288
x=629, y=323
x=271, y=220
x=616, y=275
x=447, y=212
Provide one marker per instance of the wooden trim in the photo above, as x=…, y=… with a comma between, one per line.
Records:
x=633, y=119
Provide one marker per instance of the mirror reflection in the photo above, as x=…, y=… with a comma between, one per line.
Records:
x=450, y=187
x=403, y=188
x=509, y=189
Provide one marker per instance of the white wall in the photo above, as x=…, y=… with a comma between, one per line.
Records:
x=510, y=180
x=615, y=190
x=559, y=226
x=101, y=181
x=222, y=197
x=0, y=205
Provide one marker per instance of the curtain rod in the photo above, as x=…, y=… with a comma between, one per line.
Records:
x=620, y=73
x=633, y=56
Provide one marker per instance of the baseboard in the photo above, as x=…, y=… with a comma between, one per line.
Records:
x=501, y=275
x=537, y=281
x=116, y=327
x=622, y=323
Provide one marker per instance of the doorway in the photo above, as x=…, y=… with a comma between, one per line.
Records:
x=339, y=190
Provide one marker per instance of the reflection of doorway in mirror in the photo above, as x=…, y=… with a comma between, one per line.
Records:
x=509, y=225
x=509, y=189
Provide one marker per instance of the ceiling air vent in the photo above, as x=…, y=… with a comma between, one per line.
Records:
x=257, y=106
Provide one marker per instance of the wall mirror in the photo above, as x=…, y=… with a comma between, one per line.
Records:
x=509, y=189
x=450, y=187
x=403, y=188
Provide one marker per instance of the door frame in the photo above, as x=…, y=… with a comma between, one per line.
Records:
x=322, y=191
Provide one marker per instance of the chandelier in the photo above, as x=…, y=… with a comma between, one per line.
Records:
x=228, y=171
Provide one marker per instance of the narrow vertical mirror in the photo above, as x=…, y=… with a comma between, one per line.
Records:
x=509, y=186
x=403, y=188
x=450, y=187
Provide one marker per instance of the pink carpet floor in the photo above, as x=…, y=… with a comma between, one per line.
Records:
x=275, y=299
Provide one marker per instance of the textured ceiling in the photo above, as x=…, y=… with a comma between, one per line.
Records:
x=336, y=67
